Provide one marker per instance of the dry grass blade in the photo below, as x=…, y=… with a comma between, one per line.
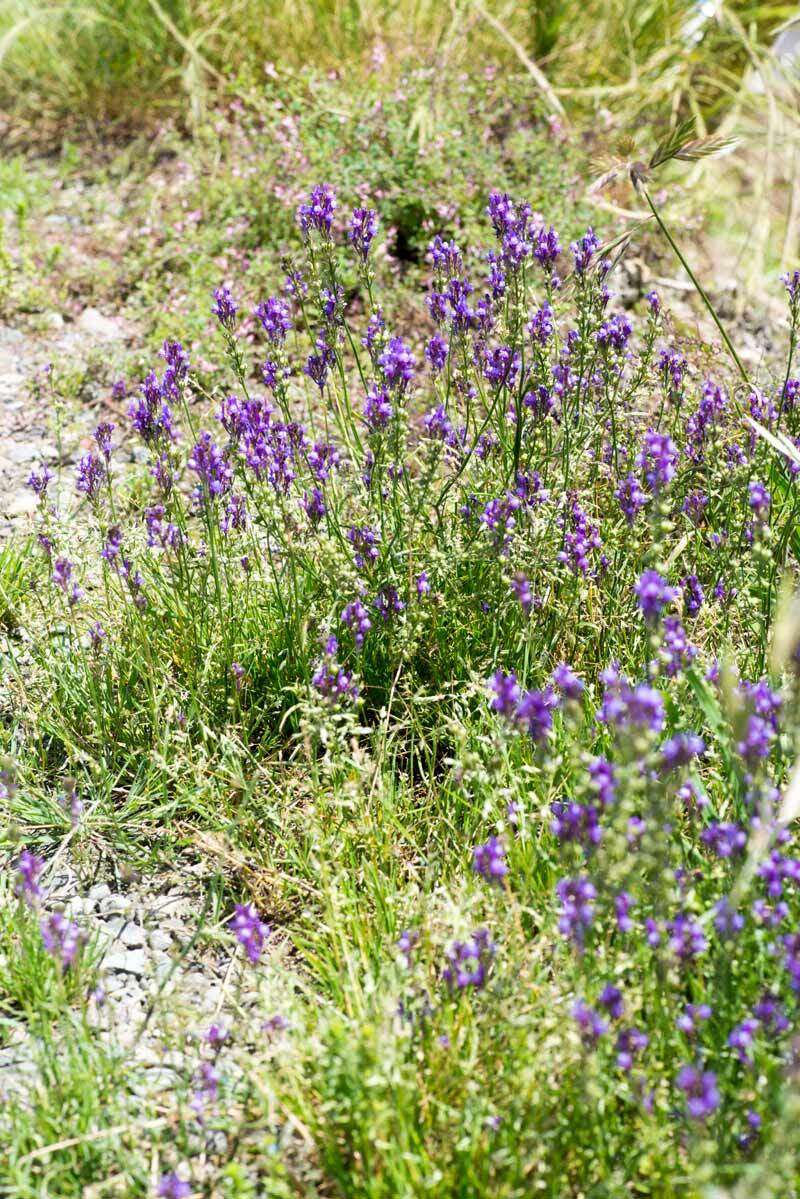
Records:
x=536, y=72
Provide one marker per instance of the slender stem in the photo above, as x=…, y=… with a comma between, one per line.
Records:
x=696, y=282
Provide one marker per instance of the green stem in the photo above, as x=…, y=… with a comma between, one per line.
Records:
x=699, y=287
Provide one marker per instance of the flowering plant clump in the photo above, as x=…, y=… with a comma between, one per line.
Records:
x=466, y=628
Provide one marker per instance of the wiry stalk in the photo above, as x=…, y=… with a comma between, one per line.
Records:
x=697, y=284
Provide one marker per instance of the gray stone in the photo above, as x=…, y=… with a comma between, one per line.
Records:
x=99, y=891
x=159, y=939
x=127, y=961
x=132, y=936
x=115, y=905
x=92, y=321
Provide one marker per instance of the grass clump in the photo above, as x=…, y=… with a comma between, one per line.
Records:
x=454, y=641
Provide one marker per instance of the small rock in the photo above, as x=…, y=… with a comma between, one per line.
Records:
x=127, y=961
x=99, y=891
x=92, y=321
x=53, y=320
x=132, y=936
x=115, y=905
x=160, y=940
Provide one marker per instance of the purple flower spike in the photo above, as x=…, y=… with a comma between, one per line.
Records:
x=62, y=938
x=170, y=1186
x=249, y=930
x=29, y=869
x=700, y=1088
x=489, y=860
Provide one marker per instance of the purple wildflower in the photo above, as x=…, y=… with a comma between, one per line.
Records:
x=468, y=962
x=317, y=212
x=363, y=227
x=249, y=930
x=62, y=938
x=26, y=885
x=489, y=860
x=275, y=318
x=224, y=308
x=590, y=1023
x=654, y=594
x=91, y=474
x=577, y=906
x=700, y=1088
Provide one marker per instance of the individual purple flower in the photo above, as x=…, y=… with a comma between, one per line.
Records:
x=629, y=1044
x=603, y=780
x=622, y=907
x=275, y=318
x=630, y=497
x=387, y=602
x=521, y=588
x=676, y=652
x=363, y=227
x=407, y=942
x=581, y=537
x=577, y=897
x=489, y=860
x=611, y=999
x=583, y=250
x=468, y=962
x=653, y=594
x=770, y=1014
x=568, y=682
x=397, y=363
x=445, y=256
x=506, y=695
x=356, y=618
x=542, y=325
x=614, y=333
x=727, y=921
x=422, y=584
x=313, y=502
x=39, y=481
x=546, y=247
x=725, y=840
x=320, y=362
x=680, y=750
x=653, y=302
x=436, y=351
x=102, y=437
x=332, y=683
x=211, y=466
x=693, y=595
x=62, y=577
x=501, y=366
x=317, y=212
x=150, y=414
x=756, y=743
x=624, y=706
x=691, y=1017
x=26, y=884
x=535, y=713
x=590, y=1023
x=700, y=1088
x=378, y=410
x=576, y=822
x=249, y=930
x=91, y=475
x=224, y=308
x=62, y=938
x=741, y=1038
x=759, y=499
x=365, y=545
x=657, y=459
x=170, y=1186
x=686, y=937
